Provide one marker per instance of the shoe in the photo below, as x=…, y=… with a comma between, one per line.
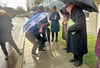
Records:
x=52, y=40
x=56, y=41
x=64, y=48
x=6, y=58
x=78, y=63
x=42, y=50
x=34, y=54
x=73, y=60
x=20, y=53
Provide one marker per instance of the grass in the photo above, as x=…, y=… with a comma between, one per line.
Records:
x=90, y=59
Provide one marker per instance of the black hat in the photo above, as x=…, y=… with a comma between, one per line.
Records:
x=54, y=7
x=41, y=9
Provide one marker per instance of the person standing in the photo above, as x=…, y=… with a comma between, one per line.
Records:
x=55, y=27
x=5, y=33
x=77, y=34
x=34, y=33
x=97, y=49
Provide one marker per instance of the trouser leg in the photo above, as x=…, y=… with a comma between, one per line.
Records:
x=75, y=57
x=56, y=36
x=48, y=33
x=3, y=46
x=11, y=41
x=34, y=47
x=80, y=60
x=52, y=36
x=98, y=63
x=41, y=43
x=78, y=57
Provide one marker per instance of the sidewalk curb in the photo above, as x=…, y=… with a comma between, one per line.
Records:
x=19, y=62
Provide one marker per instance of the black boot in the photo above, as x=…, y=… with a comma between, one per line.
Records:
x=6, y=58
x=42, y=49
x=52, y=40
x=74, y=59
x=79, y=62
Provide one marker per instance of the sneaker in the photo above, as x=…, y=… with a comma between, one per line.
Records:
x=34, y=54
x=42, y=50
x=20, y=53
x=6, y=58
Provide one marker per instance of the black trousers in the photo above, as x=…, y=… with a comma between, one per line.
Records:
x=53, y=36
x=3, y=46
x=41, y=42
x=78, y=57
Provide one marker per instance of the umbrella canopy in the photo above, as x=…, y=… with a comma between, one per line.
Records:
x=58, y=4
x=11, y=12
x=39, y=18
x=2, y=11
x=88, y=5
x=35, y=8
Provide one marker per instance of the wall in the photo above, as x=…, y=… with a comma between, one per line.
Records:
x=92, y=22
x=98, y=26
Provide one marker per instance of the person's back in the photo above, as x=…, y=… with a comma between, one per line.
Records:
x=5, y=28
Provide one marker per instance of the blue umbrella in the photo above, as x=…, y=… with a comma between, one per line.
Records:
x=40, y=18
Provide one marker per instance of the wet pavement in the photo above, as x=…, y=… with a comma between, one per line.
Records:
x=54, y=57
x=17, y=36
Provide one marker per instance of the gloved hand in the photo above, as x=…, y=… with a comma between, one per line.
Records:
x=40, y=30
x=47, y=43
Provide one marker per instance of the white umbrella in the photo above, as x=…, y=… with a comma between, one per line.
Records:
x=58, y=4
x=2, y=11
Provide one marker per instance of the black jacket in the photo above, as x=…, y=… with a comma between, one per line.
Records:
x=5, y=28
x=77, y=43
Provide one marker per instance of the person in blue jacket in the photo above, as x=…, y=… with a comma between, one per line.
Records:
x=34, y=34
x=55, y=27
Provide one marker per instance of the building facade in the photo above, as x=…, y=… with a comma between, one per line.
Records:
x=29, y=4
x=92, y=18
x=93, y=21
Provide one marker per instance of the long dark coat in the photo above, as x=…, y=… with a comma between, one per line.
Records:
x=77, y=43
x=5, y=28
x=55, y=27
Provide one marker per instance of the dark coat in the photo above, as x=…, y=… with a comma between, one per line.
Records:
x=54, y=23
x=77, y=43
x=5, y=28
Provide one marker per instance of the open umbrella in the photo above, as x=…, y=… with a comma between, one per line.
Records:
x=11, y=12
x=35, y=8
x=88, y=5
x=40, y=18
x=2, y=11
x=58, y=4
